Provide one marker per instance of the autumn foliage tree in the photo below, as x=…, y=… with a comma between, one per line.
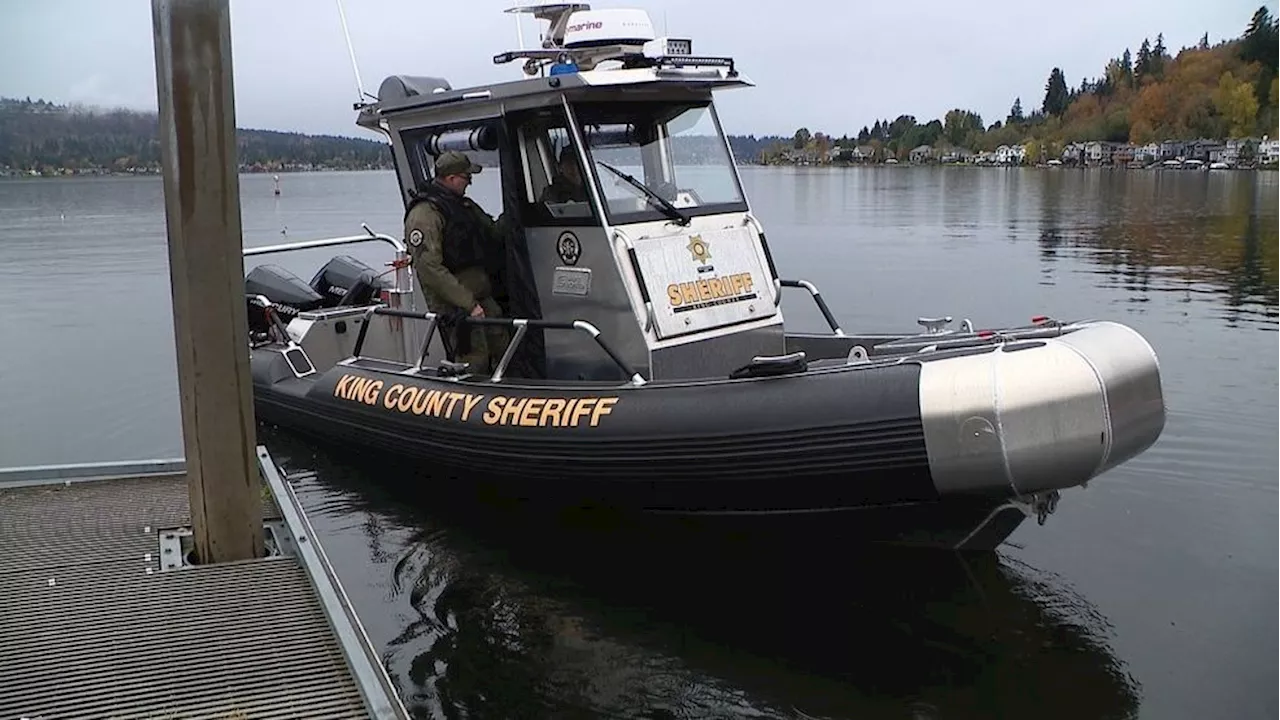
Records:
x=1225, y=90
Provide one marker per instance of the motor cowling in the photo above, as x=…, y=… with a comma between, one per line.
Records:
x=286, y=291
x=345, y=280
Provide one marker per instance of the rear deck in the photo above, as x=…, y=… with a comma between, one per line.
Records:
x=101, y=618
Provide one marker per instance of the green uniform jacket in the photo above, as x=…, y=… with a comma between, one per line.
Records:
x=424, y=237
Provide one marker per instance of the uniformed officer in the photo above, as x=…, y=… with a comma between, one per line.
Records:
x=456, y=248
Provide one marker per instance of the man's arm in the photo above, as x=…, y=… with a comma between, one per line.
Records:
x=497, y=230
x=424, y=235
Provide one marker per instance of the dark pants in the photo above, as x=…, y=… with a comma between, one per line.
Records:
x=486, y=343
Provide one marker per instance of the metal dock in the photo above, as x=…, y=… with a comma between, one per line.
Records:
x=101, y=616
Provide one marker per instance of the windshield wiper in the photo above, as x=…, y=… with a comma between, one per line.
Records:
x=663, y=203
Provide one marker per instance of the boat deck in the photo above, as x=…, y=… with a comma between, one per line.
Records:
x=98, y=618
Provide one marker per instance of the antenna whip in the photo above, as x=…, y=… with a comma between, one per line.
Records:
x=360, y=93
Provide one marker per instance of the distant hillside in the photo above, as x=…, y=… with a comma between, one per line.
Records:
x=1210, y=91
x=48, y=139
x=44, y=137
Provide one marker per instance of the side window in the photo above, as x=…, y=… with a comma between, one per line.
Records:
x=556, y=188
x=478, y=139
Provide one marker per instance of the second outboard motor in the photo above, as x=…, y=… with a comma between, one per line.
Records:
x=345, y=280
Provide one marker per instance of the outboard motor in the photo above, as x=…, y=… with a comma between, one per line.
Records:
x=285, y=290
x=345, y=281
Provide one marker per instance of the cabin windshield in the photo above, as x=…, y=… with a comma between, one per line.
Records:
x=674, y=151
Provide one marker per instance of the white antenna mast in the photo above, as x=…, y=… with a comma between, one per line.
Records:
x=360, y=93
x=519, y=27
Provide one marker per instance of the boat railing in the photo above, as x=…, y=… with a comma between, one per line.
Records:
x=1040, y=329
x=326, y=242
x=401, y=296
x=817, y=299
x=402, y=284
x=520, y=325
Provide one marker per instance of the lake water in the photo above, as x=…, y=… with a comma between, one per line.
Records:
x=1152, y=593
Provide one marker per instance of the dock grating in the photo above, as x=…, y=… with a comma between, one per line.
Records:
x=90, y=627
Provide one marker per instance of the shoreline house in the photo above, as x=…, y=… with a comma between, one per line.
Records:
x=1147, y=154
x=1269, y=151
x=957, y=156
x=1230, y=153
x=1201, y=149
x=1172, y=149
x=1010, y=155
x=1099, y=152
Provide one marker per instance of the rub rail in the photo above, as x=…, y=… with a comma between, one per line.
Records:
x=521, y=326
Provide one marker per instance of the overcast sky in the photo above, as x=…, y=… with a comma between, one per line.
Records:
x=830, y=65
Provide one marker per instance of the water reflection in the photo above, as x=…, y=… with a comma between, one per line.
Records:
x=1204, y=237
x=487, y=611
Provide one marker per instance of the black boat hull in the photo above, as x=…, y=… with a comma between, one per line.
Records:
x=676, y=454
x=940, y=446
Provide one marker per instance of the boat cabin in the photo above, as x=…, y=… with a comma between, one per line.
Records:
x=623, y=204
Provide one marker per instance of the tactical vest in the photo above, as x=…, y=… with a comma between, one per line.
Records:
x=464, y=237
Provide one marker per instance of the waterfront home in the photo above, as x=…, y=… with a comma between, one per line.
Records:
x=957, y=155
x=1200, y=149
x=921, y=154
x=1098, y=152
x=1010, y=154
x=1172, y=149
x=1269, y=151
x=1230, y=152
x=1147, y=154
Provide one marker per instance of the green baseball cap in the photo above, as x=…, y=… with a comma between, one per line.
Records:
x=454, y=163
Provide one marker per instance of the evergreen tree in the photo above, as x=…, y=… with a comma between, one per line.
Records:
x=1259, y=43
x=1158, y=56
x=1204, y=42
x=1262, y=87
x=900, y=126
x=864, y=135
x=1015, y=112
x=1143, y=66
x=1055, y=93
x=1126, y=67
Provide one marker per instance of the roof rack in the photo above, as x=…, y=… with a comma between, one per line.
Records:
x=579, y=38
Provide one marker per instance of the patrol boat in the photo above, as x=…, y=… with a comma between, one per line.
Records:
x=650, y=368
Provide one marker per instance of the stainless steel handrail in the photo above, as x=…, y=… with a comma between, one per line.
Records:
x=326, y=242
x=519, y=324
x=817, y=298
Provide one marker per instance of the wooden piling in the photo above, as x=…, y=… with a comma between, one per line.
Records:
x=206, y=264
